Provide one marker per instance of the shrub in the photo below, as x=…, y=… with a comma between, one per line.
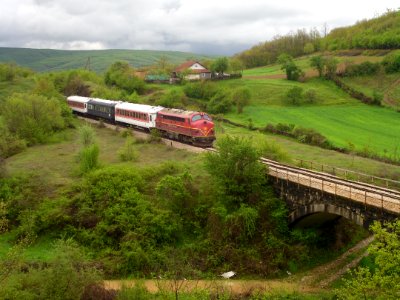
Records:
x=63, y=277
x=128, y=152
x=155, y=136
x=41, y=117
x=241, y=97
x=219, y=103
x=391, y=62
x=377, y=97
x=89, y=158
x=173, y=99
x=272, y=150
x=365, y=68
x=294, y=95
x=87, y=135
x=120, y=74
x=203, y=90
x=10, y=144
x=310, y=96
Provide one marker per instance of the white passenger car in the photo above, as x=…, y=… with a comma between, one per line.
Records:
x=137, y=114
x=78, y=103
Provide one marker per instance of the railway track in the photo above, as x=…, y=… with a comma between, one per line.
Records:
x=368, y=194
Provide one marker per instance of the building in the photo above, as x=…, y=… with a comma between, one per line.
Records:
x=192, y=70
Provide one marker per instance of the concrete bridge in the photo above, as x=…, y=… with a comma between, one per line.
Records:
x=309, y=194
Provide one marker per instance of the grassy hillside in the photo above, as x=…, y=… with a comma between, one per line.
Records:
x=50, y=60
x=382, y=32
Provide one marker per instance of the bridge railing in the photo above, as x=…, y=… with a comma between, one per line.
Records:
x=366, y=194
x=349, y=174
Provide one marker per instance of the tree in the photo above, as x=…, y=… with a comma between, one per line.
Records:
x=383, y=282
x=220, y=65
x=236, y=172
x=237, y=65
x=120, y=74
x=318, y=62
x=331, y=64
x=32, y=117
x=309, y=48
x=241, y=97
x=293, y=72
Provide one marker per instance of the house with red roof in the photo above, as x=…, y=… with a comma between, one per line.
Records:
x=192, y=70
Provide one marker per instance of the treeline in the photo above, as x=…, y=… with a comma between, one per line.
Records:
x=294, y=44
x=382, y=32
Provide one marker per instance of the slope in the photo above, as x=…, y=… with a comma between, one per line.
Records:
x=50, y=60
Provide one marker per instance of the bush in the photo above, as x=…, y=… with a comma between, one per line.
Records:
x=89, y=158
x=155, y=136
x=87, y=135
x=173, y=99
x=241, y=97
x=63, y=277
x=10, y=144
x=120, y=74
x=310, y=96
x=294, y=95
x=365, y=68
x=41, y=117
x=203, y=90
x=391, y=62
x=220, y=103
x=128, y=152
x=271, y=150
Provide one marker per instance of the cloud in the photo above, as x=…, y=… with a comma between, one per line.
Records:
x=207, y=26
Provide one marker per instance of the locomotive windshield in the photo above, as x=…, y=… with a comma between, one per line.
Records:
x=199, y=117
x=196, y=118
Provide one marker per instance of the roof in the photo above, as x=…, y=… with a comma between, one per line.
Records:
x=186, y=65
x=78, y=99
x=177, y=112
x=157, y=77
x=103, y=101
x=139, y=107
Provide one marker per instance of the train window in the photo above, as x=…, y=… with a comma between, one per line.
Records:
x=196, y=118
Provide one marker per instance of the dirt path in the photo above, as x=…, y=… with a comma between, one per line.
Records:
x=323, y=275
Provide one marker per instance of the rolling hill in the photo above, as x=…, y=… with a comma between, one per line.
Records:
x=42, y=60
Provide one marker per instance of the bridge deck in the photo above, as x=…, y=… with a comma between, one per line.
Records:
x=367, y=194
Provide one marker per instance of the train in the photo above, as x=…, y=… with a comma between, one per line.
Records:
x=196, y=128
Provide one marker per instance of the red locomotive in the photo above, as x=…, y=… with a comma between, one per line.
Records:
x=192, y=127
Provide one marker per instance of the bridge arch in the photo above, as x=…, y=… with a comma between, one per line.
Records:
x=307, y=210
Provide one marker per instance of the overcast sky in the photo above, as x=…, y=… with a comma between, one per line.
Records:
x=200, y=26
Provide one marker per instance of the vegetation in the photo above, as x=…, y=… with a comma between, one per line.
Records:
x=381, y=280
x=137, y=214
x=45, y=60
x=381, y=32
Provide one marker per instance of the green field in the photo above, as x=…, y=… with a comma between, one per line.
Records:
x=272, y=91
x=367, y=127
x=52, y=60
x=341, y=118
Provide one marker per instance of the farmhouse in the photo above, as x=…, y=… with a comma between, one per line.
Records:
x=192, y=70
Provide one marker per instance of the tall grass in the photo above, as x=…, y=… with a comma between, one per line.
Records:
x=87, y=135
x=89, y=158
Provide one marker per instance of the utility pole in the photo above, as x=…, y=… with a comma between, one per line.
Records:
x=87, y=66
